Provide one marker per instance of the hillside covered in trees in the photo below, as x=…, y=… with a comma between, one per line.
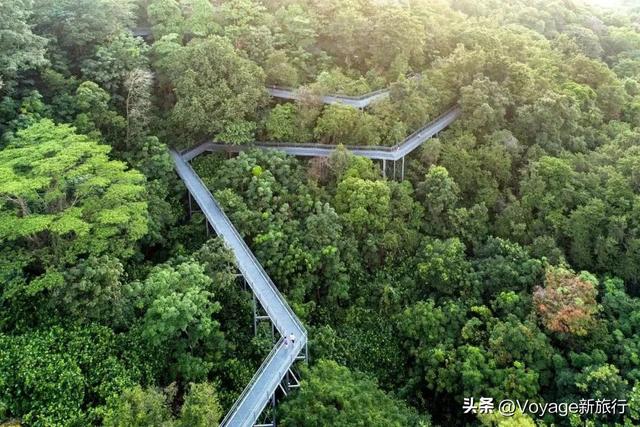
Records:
x=506, y=264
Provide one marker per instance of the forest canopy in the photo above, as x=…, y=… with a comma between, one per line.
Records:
x=506, y=263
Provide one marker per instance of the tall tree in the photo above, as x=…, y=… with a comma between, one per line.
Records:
x=114, y=61
x=64, y=199
x=165, y=17
x=216, y=88
x=176, y=307
x=20, y=49
x=137, y=103
x=332, y=395
x=567, y=303
x=77, y=26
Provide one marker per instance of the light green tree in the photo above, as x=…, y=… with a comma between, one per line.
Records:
x=281, y=124
x=201, y=407
x=138, y=407
x=364, y=205
x=63, y=199
x=146, y=407
x=49, y=375
x=95, y=117
x=341, y=124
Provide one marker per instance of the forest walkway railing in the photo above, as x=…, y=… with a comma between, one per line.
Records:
x=275, y=367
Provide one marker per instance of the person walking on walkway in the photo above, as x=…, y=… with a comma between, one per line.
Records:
x=286, y=341
x=292, y=338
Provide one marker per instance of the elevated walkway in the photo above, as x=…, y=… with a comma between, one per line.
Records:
x=141, y=32
x=394, y=153
x=276, y=367
x=268, y=378
x=353, y=101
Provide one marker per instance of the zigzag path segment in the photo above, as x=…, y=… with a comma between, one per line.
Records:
x=269, y=376
x=393, y=153
x=256, y=395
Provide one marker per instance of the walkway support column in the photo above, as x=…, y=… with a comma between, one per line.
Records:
x=273, y=409
x=255, y=315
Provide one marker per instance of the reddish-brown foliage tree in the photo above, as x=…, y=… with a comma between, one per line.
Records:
x=567, y=302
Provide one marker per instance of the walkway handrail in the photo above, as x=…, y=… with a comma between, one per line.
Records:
x=404, y=148
x=246, y=389
x=267, y=279
x=429, y=124
x=276, y=144
x=263, y=367
x=356, y=102
x=293, y=92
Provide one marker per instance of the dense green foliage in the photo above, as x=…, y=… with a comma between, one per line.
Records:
x=136, y=407
x=333, y=396
x=506, y=265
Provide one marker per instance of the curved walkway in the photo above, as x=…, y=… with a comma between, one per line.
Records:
x=257, y=393
x=394, y=153
x=353, y=101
